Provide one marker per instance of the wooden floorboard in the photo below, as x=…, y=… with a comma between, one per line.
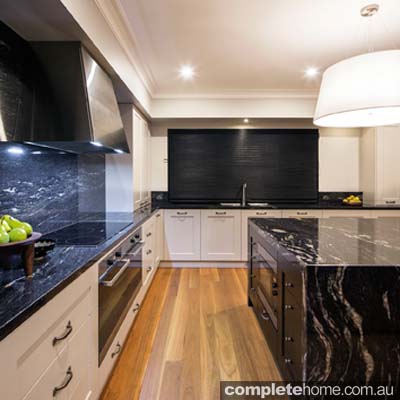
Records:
x=194, y=330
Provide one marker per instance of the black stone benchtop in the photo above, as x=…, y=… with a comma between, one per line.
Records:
x=336, y=241
x=21, y=297
x=350, y=295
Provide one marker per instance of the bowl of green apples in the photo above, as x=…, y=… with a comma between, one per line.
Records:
x=17, y=243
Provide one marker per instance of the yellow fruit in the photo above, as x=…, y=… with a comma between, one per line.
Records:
x=27, y=228
x=6, y=226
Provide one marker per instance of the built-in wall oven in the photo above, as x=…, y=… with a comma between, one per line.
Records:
x=265, y=270
x=120, y=279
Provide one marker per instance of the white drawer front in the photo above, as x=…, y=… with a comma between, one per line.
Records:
x=347, y=213
x=68, y=374
x=302, y=214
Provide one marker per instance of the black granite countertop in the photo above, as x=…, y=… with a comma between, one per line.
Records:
x=21, y=297
x=276, y=206
x=335, y=241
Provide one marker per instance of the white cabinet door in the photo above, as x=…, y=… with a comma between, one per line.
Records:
x=246, y=214
x=221, y=235
x=138, y=160
x=388, y=165
x=159, y=237
x=182, y=235
x=146, y=163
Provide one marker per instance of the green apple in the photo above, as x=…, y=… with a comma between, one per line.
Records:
x=4, y=236
x=27, y=228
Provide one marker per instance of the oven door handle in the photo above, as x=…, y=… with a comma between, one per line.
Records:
x=114, y=280
x=137, y=250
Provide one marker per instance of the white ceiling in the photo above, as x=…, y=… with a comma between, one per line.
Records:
x=251, y=47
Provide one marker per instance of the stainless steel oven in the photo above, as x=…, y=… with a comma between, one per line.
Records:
x=120, y=279
x=265, y=268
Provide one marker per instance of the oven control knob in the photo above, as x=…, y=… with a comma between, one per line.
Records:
x=133, y=240
x=110, y=262
x=274, y=293
x=137, y=236
x=274, y=285
x=118, y=254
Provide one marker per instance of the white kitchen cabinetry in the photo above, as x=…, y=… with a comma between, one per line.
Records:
x=159, y=240
x=221, y=235
x=141, y=161
x=385, y=214
x=149, y=249
x=380, y=165
x=302, y=213
x=56, y=346
x=246, y=214
x=182, y=235
x=347, y=213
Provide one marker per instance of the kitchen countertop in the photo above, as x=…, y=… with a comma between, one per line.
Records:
x=21, y=297
x=344, y=317
x=280, y=206
x=335, y=241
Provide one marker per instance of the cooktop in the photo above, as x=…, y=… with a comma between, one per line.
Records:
x=86, y=233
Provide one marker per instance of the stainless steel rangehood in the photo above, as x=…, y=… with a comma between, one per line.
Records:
x=54, y=94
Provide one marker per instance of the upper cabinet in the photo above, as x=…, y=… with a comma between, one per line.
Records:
x=380, y=165
x=141, y=161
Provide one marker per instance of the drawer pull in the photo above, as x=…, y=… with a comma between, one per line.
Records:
x=288, y=284
x=220, y=212
x=288, y=307
x=288, y=339
x=302, y=213
x=117, y=350
x=148, y=252
x=261, y=213
x=148, y=234
x=68, y=330
x=253, y=276
x=68, y=378
x=265, y=316
x=182, y=213
x=390, y=201
x=288, y=361
x=136, y=308
x=158, y=215
x=149, y=269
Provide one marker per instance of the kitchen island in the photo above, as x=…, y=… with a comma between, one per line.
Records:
x=327, y=296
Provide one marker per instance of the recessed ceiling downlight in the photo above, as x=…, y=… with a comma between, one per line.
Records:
x=186, y=72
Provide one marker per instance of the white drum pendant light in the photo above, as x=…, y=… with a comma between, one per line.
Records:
x=361, y=91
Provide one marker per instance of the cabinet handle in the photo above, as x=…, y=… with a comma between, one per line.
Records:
x=67, y=332
x=288, y=339
x=264, y=315
x=390, y=201
x=220, y=212
x=136, y=308
x=302, y=213
x=149, y=269
x=158, y=215
x=148, y=234
x=117, y=350
x=253, y=276
x=68, y=378
x=148, y=252
x=261, y=213
x=289, y=284
x=181, y=213
x=288, y=307
x=288, y=361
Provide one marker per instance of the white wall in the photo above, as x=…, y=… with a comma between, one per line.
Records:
x=339, y=158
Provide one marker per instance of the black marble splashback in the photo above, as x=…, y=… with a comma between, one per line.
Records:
x=47, y=188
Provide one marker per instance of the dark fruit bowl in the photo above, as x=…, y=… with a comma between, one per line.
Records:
x=43, y=246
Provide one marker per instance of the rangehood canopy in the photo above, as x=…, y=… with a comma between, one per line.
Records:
x=54, y=94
